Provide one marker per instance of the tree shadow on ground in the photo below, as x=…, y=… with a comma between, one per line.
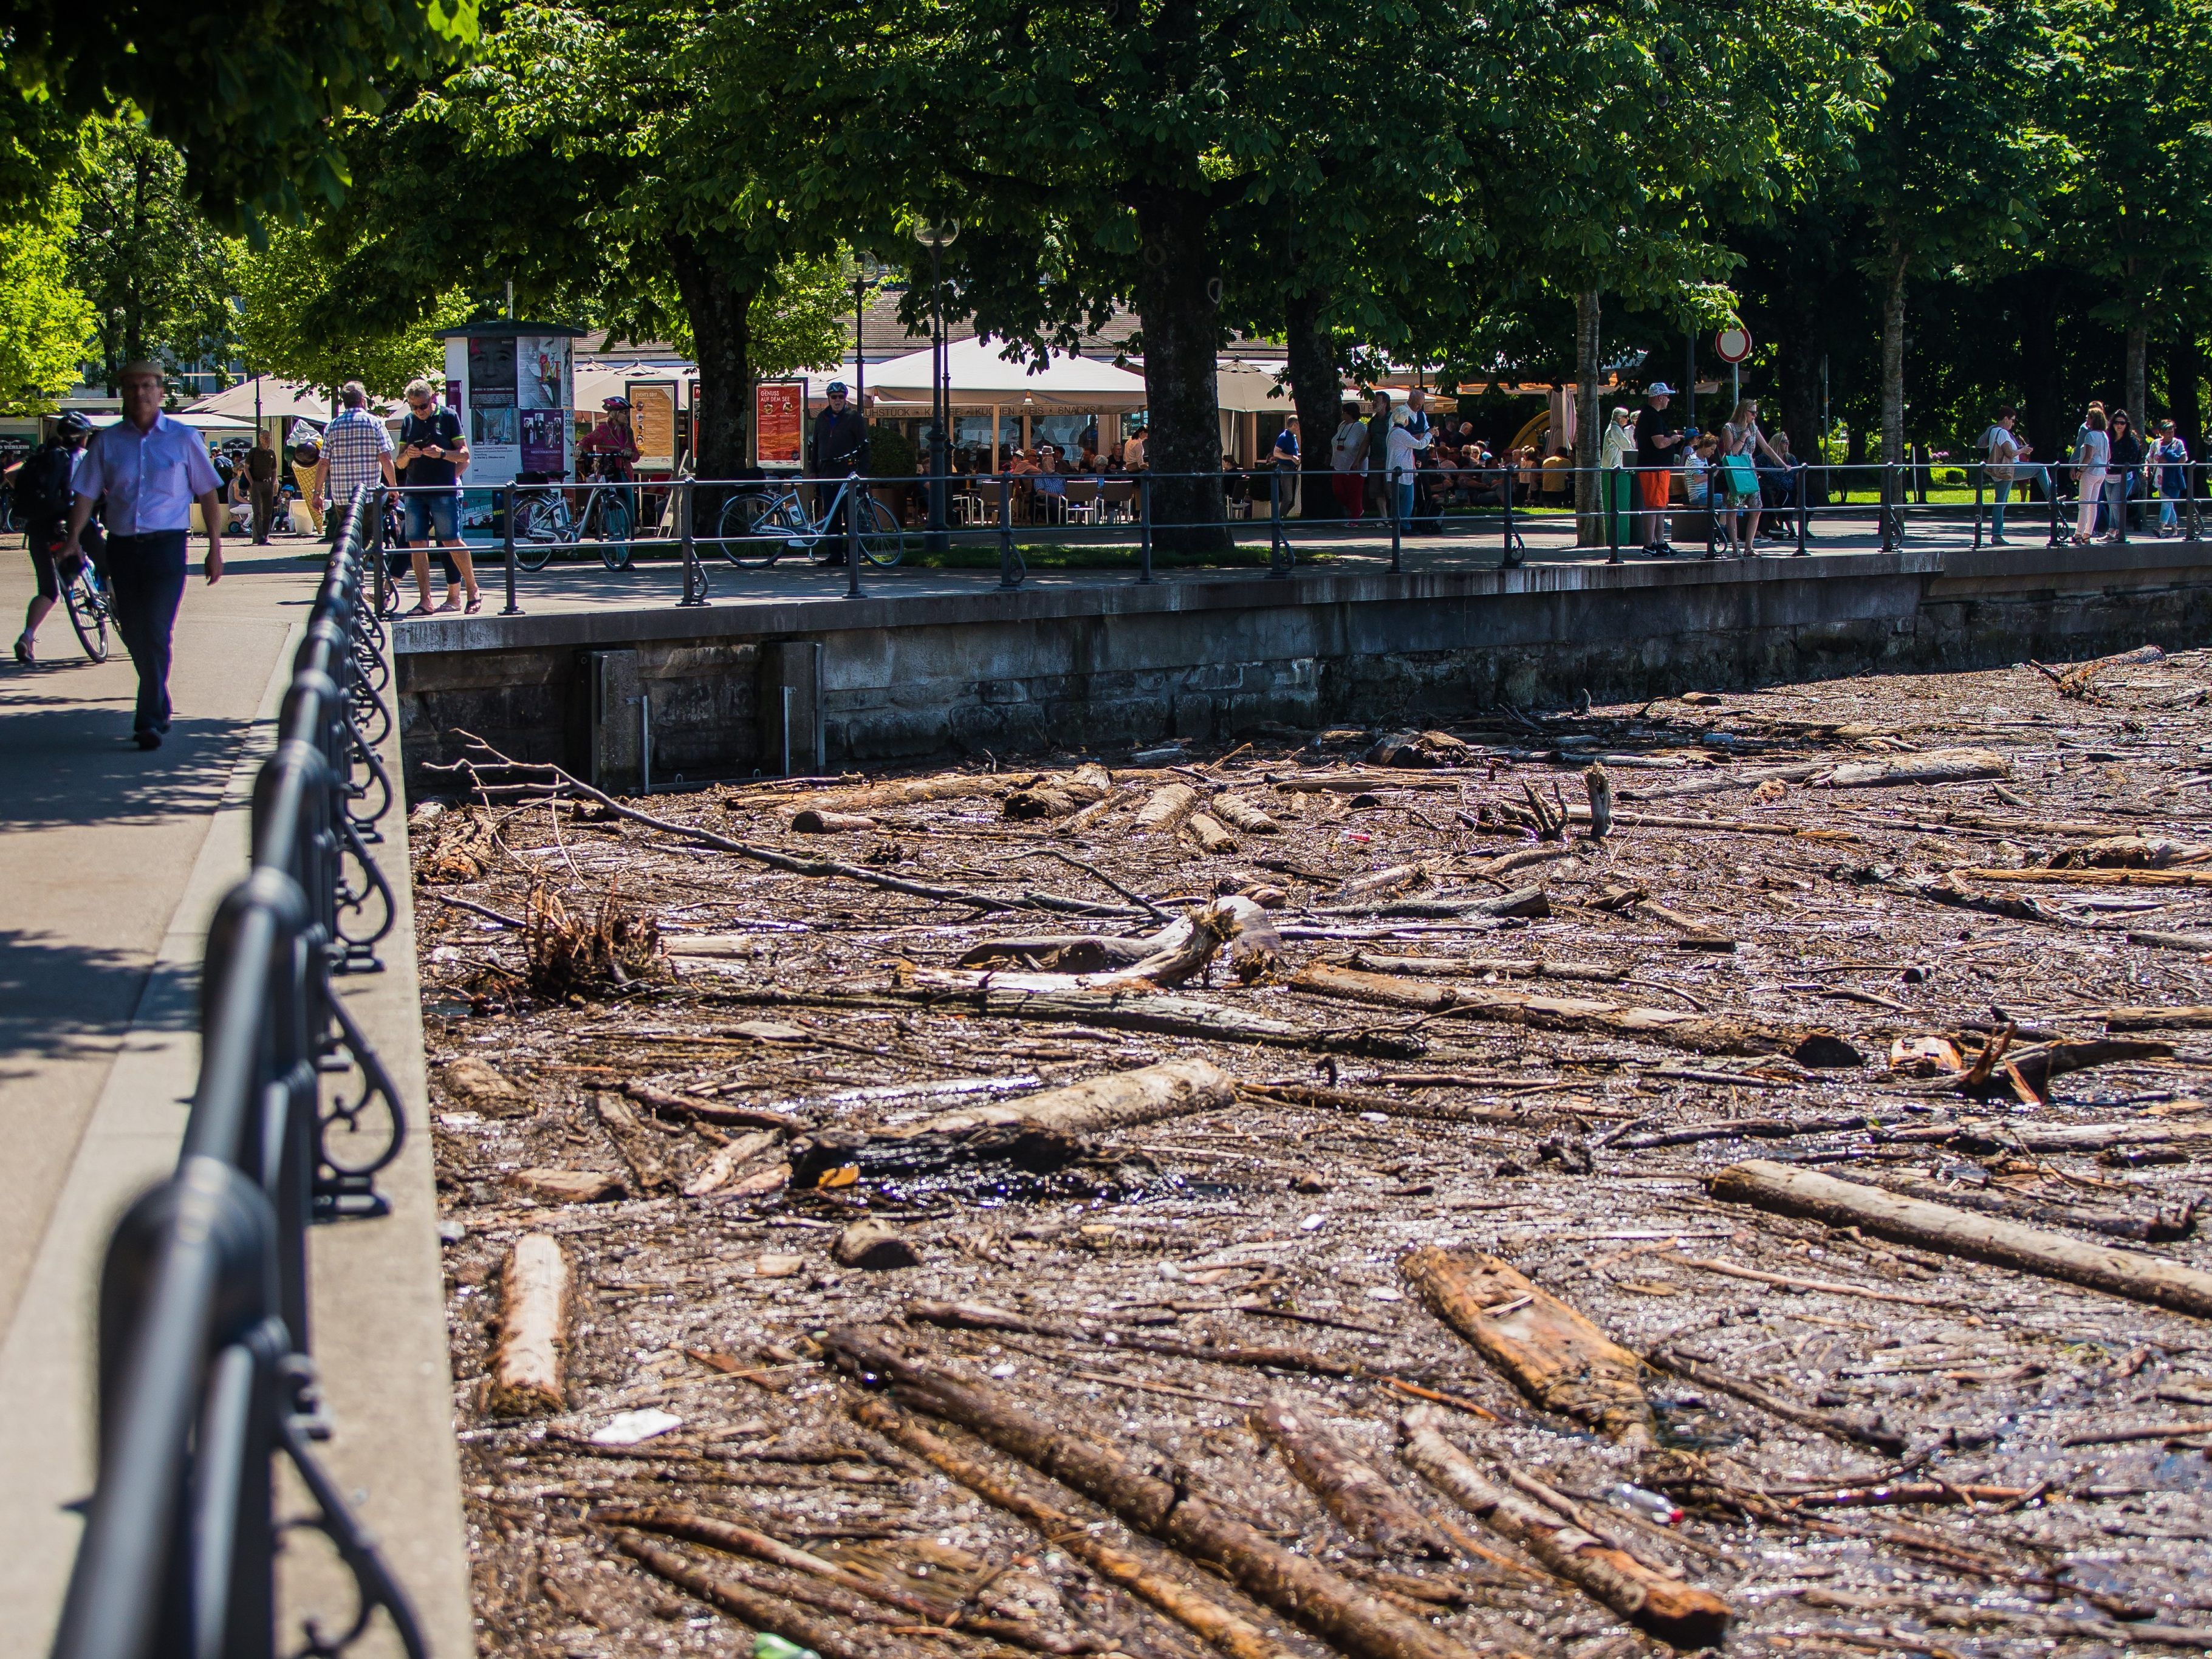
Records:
x=70, y=763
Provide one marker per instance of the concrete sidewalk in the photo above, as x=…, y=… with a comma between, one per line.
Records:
x=112, y=862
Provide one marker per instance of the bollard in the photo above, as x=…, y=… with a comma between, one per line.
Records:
x=1278, y=548
x=506, y=496
x=1144, y=526
x=1397, y=529
x=1509, y=558
x=852, y=544
x=1009, y=572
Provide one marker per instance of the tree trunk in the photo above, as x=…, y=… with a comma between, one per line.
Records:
x=2138, y=371
x=1590, y=523
x=1178, y=295
x=2041, y=378
x=2185, y=376
x=1892, y=355
x=1319, y=394
x=723, y=342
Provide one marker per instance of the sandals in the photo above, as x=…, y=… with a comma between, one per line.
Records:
x=449, y=607
x=421, y=610
x=475, y=603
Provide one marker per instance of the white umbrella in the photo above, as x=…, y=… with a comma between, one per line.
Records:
x=979, y=375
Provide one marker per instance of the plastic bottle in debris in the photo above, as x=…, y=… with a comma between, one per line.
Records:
x=1646, y=1503
x=775, y=1647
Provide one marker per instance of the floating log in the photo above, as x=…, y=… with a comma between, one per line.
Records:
x=1782, y=1190
x=1353, y=1619
x=1549, y=1350
x=1212, y=836
x=1677, y=1613
x=1180, y=952
x=1191, y=1016
x=1468, y=967
x=2042, y=877
x=1701, y=1033
x=1194, y=1611
x=1166, y=807
x=1242, y=812
x=529, y=1366
x=2194, y=1017
x=1521, y=902
x=1066, y=953
x=1368, y=1505
x=812, y=821
x=1931, y=766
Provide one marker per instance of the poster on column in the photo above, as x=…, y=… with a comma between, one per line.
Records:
x=653, y=421
x=781, y=408
x=543, y=390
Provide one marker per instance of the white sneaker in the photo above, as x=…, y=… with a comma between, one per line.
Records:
x=23, y=651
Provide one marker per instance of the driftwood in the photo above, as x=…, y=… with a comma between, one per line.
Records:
x=2078, y=877
x=1359, y=783
x=1180, y=951
x=713, y=1111
x=830, y=1636
x=1165, y=807
x=1197, y=1611
x=529, y=1366
x=1932, y=766
x=1042, y=1132
x=2182, y=1017
x=1521, y=902
x=812, y=821
x=1677, y=1613
x=1210, y=834
x=1242, y=812
x=640, y=1148
x=1068, y=953
x=1701, y=1033
x=1366, y=1505
x=2074, y=681
x=973, y=1317
x=1632, y=820
x=1785, y=1191
x=1172, y=1015
x=1507, y=967
x=1350, y=1617
x=1544, y=1348
x=1675, y=1362
x=906, y=792
x=1599, y=787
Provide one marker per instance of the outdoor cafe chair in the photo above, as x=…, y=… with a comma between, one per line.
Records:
x=1117, y=499
x=1082, y=500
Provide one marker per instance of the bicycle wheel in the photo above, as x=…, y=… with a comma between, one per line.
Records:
x=755, y=528
x=540, y=526
x=88, y=608
x=614, y=532
x=882, y=543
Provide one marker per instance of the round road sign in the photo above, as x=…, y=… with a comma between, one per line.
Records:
x=1732, y=343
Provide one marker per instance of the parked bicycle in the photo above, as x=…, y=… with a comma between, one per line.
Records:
x=544, y=522
x=759, y=527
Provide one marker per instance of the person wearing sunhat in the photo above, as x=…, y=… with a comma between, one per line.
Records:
x=1658, y=445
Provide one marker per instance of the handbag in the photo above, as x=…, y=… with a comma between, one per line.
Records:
x=1742, y=478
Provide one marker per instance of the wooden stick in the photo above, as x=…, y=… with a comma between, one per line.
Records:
x=529, y=1366
x=832, y=1639
x=1675, y=1611
x=713, y=1111
x=1785, y=1191
x=1368, y=1505
x=1197, y=1613
x=1544, y=1348
x=1677, y=1364
x=2095, y=878
x=973, y=1317
x=1362, y=1624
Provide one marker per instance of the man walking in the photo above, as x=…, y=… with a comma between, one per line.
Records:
x=150, y=470
x=261, y=484
x=433, y=451
x=1658, y=437
x=356, y=453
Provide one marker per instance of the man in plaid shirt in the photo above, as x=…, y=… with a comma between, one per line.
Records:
x=357, y=451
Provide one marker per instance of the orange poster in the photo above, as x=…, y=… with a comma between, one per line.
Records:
x=652, y=421
x=781, y=406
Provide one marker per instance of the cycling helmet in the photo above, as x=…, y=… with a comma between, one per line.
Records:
x=73, y=424
x=837, y=389
x=613, y=404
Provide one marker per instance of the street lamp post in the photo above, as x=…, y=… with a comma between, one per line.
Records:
x=937, y=237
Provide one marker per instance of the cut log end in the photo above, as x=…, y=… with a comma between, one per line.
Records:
x=528, y=1377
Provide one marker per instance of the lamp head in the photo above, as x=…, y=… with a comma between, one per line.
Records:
x=935, y=233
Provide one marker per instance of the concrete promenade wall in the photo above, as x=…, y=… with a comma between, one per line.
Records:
x=1078, y=665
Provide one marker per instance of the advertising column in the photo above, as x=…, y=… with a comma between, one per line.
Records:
x=545, y=393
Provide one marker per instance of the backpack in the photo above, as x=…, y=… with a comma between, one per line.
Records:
x=42, y=485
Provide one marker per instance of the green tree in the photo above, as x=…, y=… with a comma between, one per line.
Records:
x=158, y=275
x=287, y=303
x=44, y=322
x=246, y=89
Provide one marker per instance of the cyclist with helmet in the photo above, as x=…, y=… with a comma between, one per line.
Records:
x=44, y=487
x=611, y=446
x=838, y=448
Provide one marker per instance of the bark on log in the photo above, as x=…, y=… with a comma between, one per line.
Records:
x=1360, y=783
x=1677, y=1613
x=1211, y=837
x=640, y=1146
x=906, y=792
x=1069, y=953
x=2074, y=681
x=1166, y=807
x=760, y=1612
x=1677, y=1364
x=1782, y=1190
x=1549, y=1350
x=1521, y=902
x=529, y=1366
x=1933, y=766
x=1195, y=1612
x=1174, y=1088
x=1700, y=1033
x=1180, y=952
x=1366, y=1505
x=2094, y=877
x=1097, y=809
x=1509, y=967
x=1239, y=812
x=1356, y=1620
x=974, y=1317
x=1600, y=789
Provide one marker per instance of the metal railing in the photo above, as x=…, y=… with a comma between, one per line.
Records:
x=206, y=1377
x=858, y=523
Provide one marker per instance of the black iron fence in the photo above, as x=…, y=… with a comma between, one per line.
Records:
x=861, y=524
x=206, y=1376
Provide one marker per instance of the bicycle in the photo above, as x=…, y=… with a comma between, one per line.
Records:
x=90, y=606
x=545, y=521
x=760, y=525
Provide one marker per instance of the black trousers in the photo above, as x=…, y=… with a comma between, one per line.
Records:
x=146, y=575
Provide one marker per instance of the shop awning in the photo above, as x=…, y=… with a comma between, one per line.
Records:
x=980, y=375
